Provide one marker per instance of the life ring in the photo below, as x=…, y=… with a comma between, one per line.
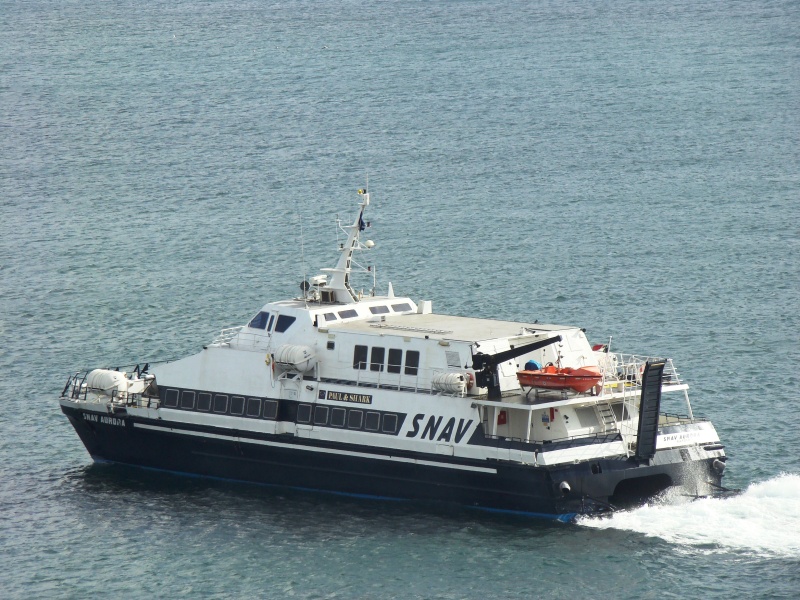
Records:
x=470, y=381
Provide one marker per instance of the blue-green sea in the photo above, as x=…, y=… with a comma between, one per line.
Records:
x=166, y=168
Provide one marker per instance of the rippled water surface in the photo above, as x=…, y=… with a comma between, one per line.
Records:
x=167, y=168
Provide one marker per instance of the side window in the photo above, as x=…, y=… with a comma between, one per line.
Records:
x=376, y=363
x=395, y=360
x=330, y=317
x=187, y=400
x=320, y=415
x=338, y=416
x=412, y=362
x=284, y=322
x=220, y=403
x=171, y=399
x=259, y=321
x=270, y=409
x=379, y=310
x=204, y=401
x=254, y=407
x=401, y=307
x=355, y=418
x=237, y=405
x=373, y=422
x=360, y=357
x=304, y=413
x=348, y=314
x=389, y=423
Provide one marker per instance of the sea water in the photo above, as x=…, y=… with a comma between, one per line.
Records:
x=166, y=168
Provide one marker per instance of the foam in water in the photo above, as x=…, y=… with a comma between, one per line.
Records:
x=764, y=519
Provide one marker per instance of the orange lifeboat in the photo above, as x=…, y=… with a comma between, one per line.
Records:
x=561, y=378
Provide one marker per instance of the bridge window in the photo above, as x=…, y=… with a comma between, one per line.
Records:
x=204, y=401
x=412, y=362
x=348, y=314
x=330, y=316
x=360, y=357
x=259, y=321
x=284, y=322
x=395, y=360
x=376, y=363
x=401, y=307
x=379, y=310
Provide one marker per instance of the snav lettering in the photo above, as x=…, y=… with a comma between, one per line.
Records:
x=431, y=428
x=105, y=420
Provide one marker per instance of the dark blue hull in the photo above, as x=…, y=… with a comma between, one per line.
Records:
x=286, y=460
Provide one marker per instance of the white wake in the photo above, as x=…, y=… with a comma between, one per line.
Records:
x=764, y=519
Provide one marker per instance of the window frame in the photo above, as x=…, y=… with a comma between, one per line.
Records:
x=377, y=359
x=359, y=363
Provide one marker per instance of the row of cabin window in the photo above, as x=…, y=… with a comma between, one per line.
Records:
x=222, y=404
x=375, y=310
x=263, y=320
x=352, y=418
x=377, y=358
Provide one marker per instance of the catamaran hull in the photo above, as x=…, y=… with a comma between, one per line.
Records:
x=286, y=460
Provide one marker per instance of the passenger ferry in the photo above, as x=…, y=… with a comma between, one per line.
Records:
x=346, y=392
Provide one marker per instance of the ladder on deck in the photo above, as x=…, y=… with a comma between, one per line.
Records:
x=607, y=415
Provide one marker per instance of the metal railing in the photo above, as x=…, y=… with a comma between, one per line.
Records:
x=420, y=382
x=627, y=369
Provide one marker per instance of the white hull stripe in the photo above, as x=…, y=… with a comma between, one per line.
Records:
x=428, y=463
